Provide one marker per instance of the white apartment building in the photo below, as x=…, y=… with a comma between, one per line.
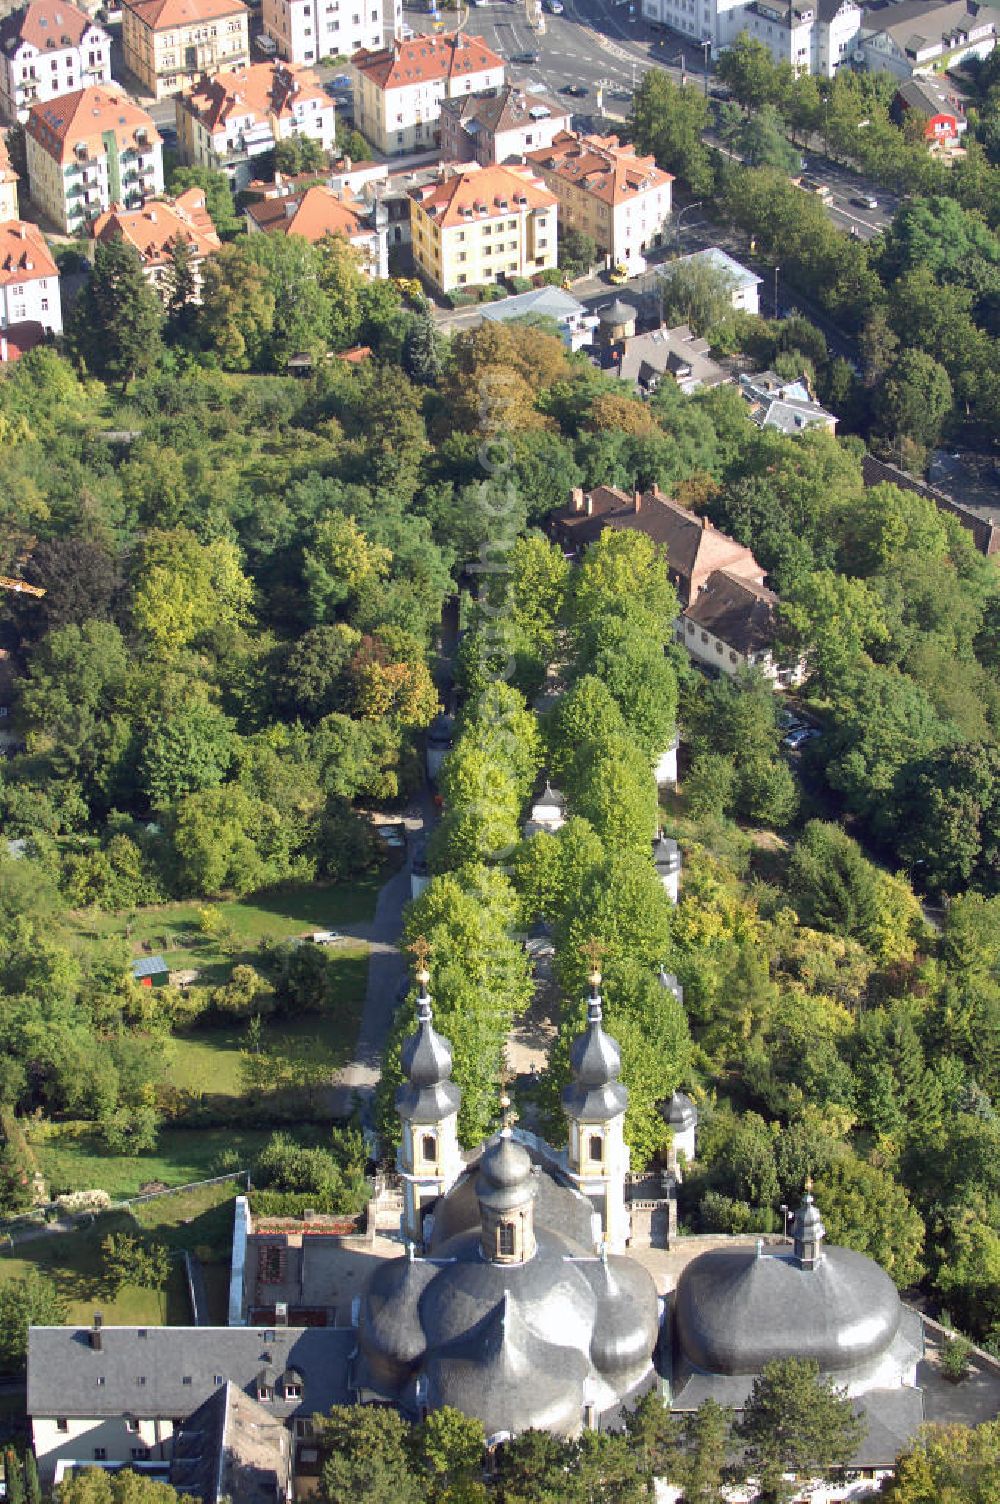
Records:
x=399, y=89
x=605, y=190
x=29, y=283
x=8, y=184
x=226, y=122
x=48, y=48
x=89, y=150
x=305, y=31
x=814, y=36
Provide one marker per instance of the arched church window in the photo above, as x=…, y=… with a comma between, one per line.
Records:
x=596, y=1146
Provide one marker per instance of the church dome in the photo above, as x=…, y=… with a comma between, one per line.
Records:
x=736, y=1309
x=426, y=1056
x=595, y=1093
x=627, y=1324
x=506, y=1178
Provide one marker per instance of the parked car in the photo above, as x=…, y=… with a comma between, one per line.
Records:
x=575, y=91
x=619, y=276
x=342, y=81
x=529, y=59
x=796, y=740
x=265, y=44
x=554, y=7
x=865, y=201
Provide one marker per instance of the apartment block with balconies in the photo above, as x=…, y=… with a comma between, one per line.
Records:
x=49, y=48
x=88, y=151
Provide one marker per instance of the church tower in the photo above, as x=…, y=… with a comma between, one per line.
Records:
x=808, y=1232
x=430, y=1160
x=595, y=1103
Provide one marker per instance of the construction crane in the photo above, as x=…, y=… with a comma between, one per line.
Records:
x=21, y=587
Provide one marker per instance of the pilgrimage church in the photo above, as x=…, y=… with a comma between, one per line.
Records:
x=510, y=1293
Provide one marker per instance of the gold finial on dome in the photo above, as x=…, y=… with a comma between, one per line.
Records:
x=422, y=951
x=593, y=950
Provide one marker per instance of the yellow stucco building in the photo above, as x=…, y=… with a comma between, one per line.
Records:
x=168, y=44
x=479, y=224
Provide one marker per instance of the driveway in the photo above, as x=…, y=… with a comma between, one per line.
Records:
x=387, y=969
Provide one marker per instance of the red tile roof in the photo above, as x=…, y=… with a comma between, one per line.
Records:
x=162, y=14
x=153, y=228
x=317, y=212
x=600, y=166
x=481, y=193
x=49, y=25
x=261, y=89
x=424, y=59
x=23, y=253
x=85, y=116
x=17, y=339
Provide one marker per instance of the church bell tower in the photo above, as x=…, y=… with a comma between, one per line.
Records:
x=430, y=1160
x=595, y=1103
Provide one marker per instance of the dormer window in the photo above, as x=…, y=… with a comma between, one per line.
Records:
x=264, y=1393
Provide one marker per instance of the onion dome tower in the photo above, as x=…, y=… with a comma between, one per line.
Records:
x=595, y=1104
x=430, y=1160
x=808, y=1232
x=506, y=1187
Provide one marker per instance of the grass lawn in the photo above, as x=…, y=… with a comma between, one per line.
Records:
x=70, y=1154
x=207, y=1061
x=172, y=929
x=200, y=1221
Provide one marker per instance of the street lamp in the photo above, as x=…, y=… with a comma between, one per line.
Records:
x=707, y=49
x=698, y=203
x=785, y=1213
x=777, y=269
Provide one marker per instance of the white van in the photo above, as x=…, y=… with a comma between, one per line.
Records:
x=265, y=44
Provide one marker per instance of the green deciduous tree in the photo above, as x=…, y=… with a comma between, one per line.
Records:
x=132, y=1261
x=695, y=292
x=31, y=1299
x=669, y=122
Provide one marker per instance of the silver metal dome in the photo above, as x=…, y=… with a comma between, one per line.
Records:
x=595, y=1093
x=506, y=1177
x=429, y=1093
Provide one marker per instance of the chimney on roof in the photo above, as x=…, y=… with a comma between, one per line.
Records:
x=281, y=1313
x=704, y=524
x=22, y=232
x=576, y=498
x=637, y=501
x=96, y=1335
x=589, y=503
x=655, y=490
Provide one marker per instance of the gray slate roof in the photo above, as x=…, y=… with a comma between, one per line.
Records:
x=738, y=612
x=232, y=1447
x=541, y=302
x=170, y=1371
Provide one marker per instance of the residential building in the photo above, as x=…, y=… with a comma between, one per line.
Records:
x=232, y=1448
x=48, y=48
x=786, y=405
x=168, y=44
x=813, y=38
x=8, y=183
x=694, y=548
x=317, y=212
x=226, y=122
x=940, y=102
x=399, y=88
x=732, y=625
x=305, y=31
x=30, y=306
x=576, y=324
x=669, y=354
x=120, y=1394
x=499, y=126
x=743, y=284
x=482, y=224
x=925, y=36
x=89, y=150
x=154, y=229
x=605, y=190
